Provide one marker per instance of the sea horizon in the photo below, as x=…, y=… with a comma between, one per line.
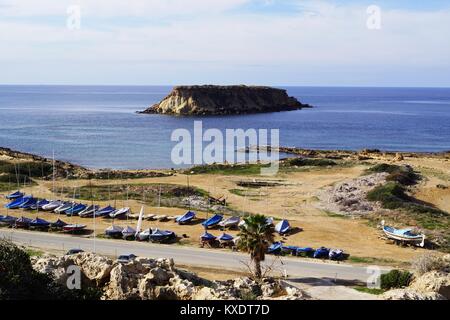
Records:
x=96, y=126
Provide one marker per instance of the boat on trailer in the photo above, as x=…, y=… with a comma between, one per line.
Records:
x=404, y=235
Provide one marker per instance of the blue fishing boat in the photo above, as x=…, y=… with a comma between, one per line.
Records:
x=161, y=235
x=76, y=209
x=22, y=222
x=282, y=227
x=185, y=218
x=214, y=220
x=322, y=252
x=404, y=235
x=58, y=224
x=106, y=211
x=16, y=203
x=275, y=248
x=15, y=195
x=39, y=223
x=305, y=251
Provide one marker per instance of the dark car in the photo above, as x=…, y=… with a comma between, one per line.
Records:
x=124, y=258
x=74, y=251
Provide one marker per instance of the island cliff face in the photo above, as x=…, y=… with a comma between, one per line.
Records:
x=225, y=100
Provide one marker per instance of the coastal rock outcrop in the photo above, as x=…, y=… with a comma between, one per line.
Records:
x=225, y=100
x=431, y=283
x=158, y=279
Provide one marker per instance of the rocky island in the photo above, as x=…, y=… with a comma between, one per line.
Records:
x=225, y=100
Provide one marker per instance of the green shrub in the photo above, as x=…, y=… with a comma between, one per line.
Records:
x=404, y=175
x=301, y=162
x=19, y=281
x=395, y=279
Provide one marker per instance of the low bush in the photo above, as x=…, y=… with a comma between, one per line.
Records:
x=301, y=162
x=429, y=262
x=395, y=279
x=404, y=175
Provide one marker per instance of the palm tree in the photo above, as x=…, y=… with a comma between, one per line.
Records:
x=255, y=237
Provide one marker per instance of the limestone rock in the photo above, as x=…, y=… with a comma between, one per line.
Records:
x=225, y=100
x=411, y=294
x=433, y=281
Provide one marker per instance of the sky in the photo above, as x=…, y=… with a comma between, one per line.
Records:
x=401, y=43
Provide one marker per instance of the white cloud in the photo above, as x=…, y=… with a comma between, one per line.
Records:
x=321, y=36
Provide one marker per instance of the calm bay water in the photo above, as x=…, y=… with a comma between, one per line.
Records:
x=97, y=126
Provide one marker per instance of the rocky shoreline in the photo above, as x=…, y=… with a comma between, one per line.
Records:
x=225, y=100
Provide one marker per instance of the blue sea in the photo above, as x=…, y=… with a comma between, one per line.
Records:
x=98, y=127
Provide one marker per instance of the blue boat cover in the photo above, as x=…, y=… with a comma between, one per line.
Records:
x=215, y=219
x=105, y=211
x=28, y=204
x=23, y=221
x=8, y=219
x=226, y=237
x=321, y=252
x=59, y=224
x=161, y=234
x=276, y=246
x=207, y=237
x=188, y=216
x=282, y=227
x=76, y=209
x=15, y=195
x=17, y=202
x=38, y=222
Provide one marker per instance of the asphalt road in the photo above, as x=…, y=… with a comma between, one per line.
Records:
x=294, y=267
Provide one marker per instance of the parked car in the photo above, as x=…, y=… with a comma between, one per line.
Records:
x=124, y=258
x=74, y=251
